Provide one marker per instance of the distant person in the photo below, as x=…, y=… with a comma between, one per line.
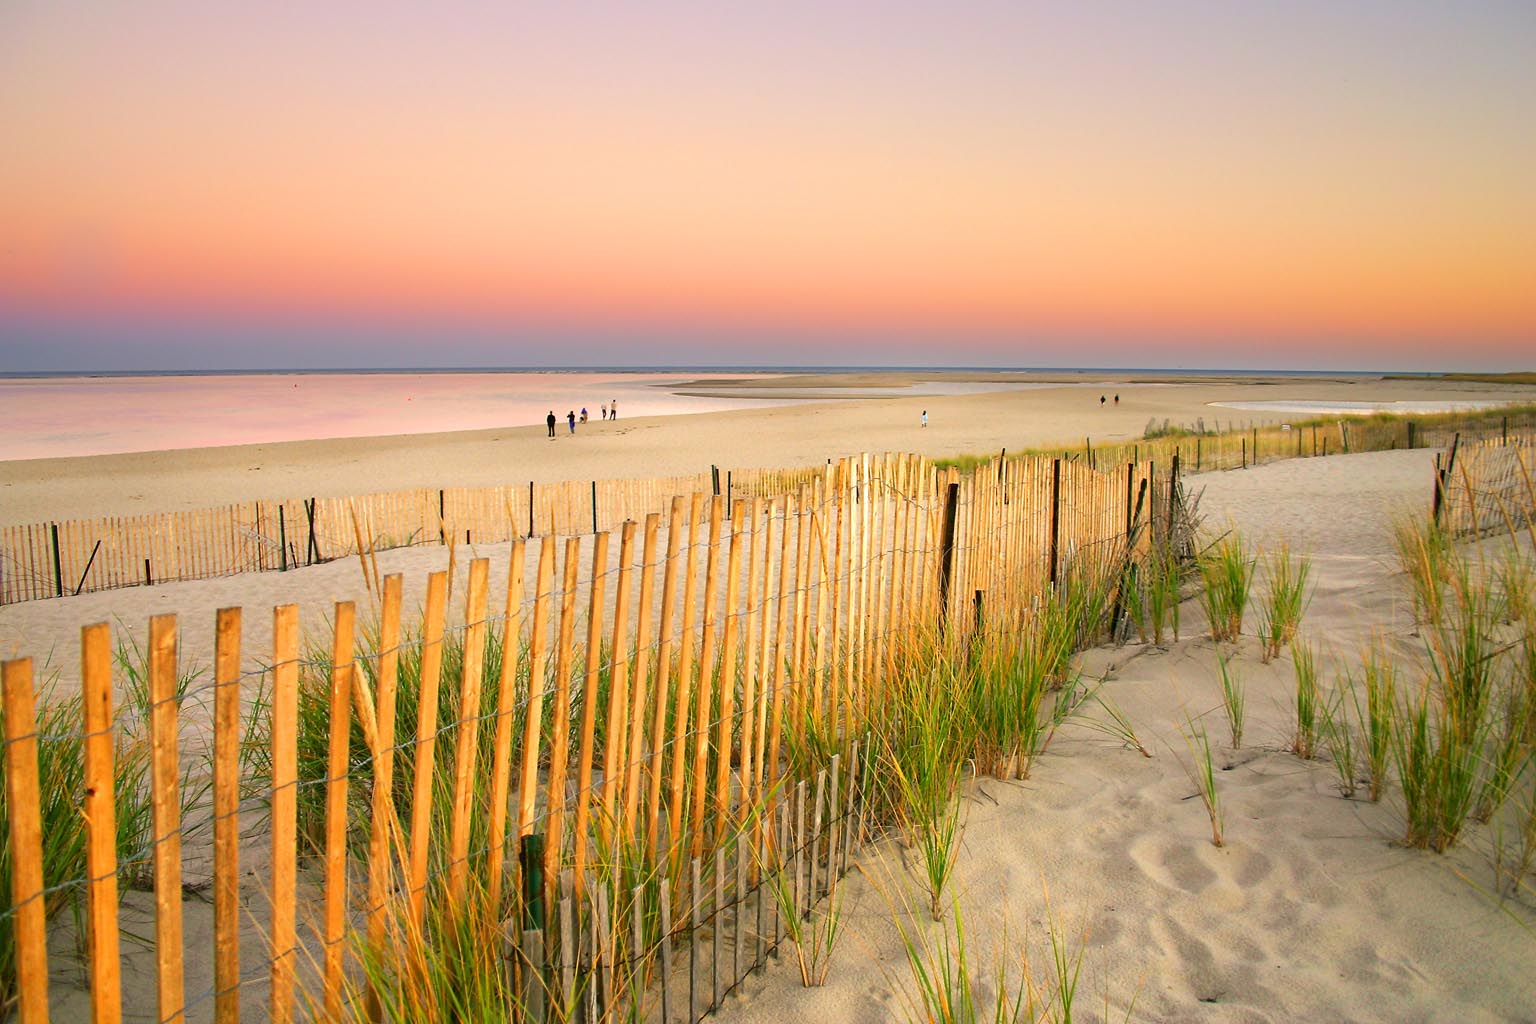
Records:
x=570, y=418
x=605, y=411
x=550, y=419
x=583, y=414
x=613, y=409
x=925, y=417
x=1101, y=399
x=1117, y=399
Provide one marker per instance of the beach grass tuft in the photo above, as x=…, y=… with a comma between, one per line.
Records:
x=1226, y=570
x=1286, y=600
x=1304, y=739
x=1201, y=770
x=1234, y=698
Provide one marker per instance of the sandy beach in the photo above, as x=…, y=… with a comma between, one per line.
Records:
x=39, y=490
x=1313, y=911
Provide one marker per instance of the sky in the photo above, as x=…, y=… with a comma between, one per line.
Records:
x=1295, y=184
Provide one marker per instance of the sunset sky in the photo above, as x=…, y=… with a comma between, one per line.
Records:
x=1226, y=184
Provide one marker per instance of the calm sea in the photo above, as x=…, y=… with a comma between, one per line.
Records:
x=48, y=417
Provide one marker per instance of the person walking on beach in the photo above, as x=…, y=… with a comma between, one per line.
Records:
x=1101, y=399
x=605, y=411
x=1117, y=399
x=570, y=418
x=925, y=417
x=550, y=420
x=613, y=409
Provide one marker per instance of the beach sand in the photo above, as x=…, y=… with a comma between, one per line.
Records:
x=1311, y=912
x=40, y=490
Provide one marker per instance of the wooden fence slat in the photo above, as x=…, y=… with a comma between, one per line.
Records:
x=426, y=742
x=706, y=679
x=634, y=756
x=617, y=727
x=560, y=724
x=24, y=803
x=165, y=805
x=727, y=681
x=285, y=713
x=384, y=823
x=473, y=667
x=538, y=647
x=589, y=701
x=655, y=758
x=226, y=824
x=338, y=749
x=506, y=703
x=685, y=679
x=100, y=811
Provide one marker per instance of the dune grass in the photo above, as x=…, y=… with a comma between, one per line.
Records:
x=1342, y=739
x=1375, y=716
x=1234, y=698
x=1201, y=770
x=1116, y=724
x=1304, y=738
x=1226, y=571
x=1285, y=600
x=1425, y=554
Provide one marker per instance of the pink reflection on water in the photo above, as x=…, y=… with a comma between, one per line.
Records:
x=65, y=416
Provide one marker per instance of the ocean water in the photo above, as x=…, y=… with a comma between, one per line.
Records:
x=49, y=417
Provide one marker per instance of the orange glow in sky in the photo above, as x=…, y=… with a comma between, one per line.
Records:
x=1349, y=184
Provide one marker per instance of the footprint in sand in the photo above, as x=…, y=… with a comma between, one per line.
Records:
x=1170, y=865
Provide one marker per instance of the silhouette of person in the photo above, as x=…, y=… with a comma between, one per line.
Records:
x=1101, y=399
x=613, y=409
x=571, y=419
x=925, y=417
x=550, y=420
x=605, y=412
x=1117, y=399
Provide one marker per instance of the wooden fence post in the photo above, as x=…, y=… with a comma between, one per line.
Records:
x=282, y=536
x=947, y=551
x=530, y=508
x=1173, y=491
x=1055, y=517
x=594, y=506
x=58, y=565
x=1130, y=485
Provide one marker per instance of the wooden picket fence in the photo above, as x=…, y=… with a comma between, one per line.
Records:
x=1486, y=486
x=52, y=559
x=637, y=812
x=43, y=560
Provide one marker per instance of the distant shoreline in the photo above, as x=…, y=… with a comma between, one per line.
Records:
x=1223, y=373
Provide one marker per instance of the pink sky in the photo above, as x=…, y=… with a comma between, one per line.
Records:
x=1293, y=184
